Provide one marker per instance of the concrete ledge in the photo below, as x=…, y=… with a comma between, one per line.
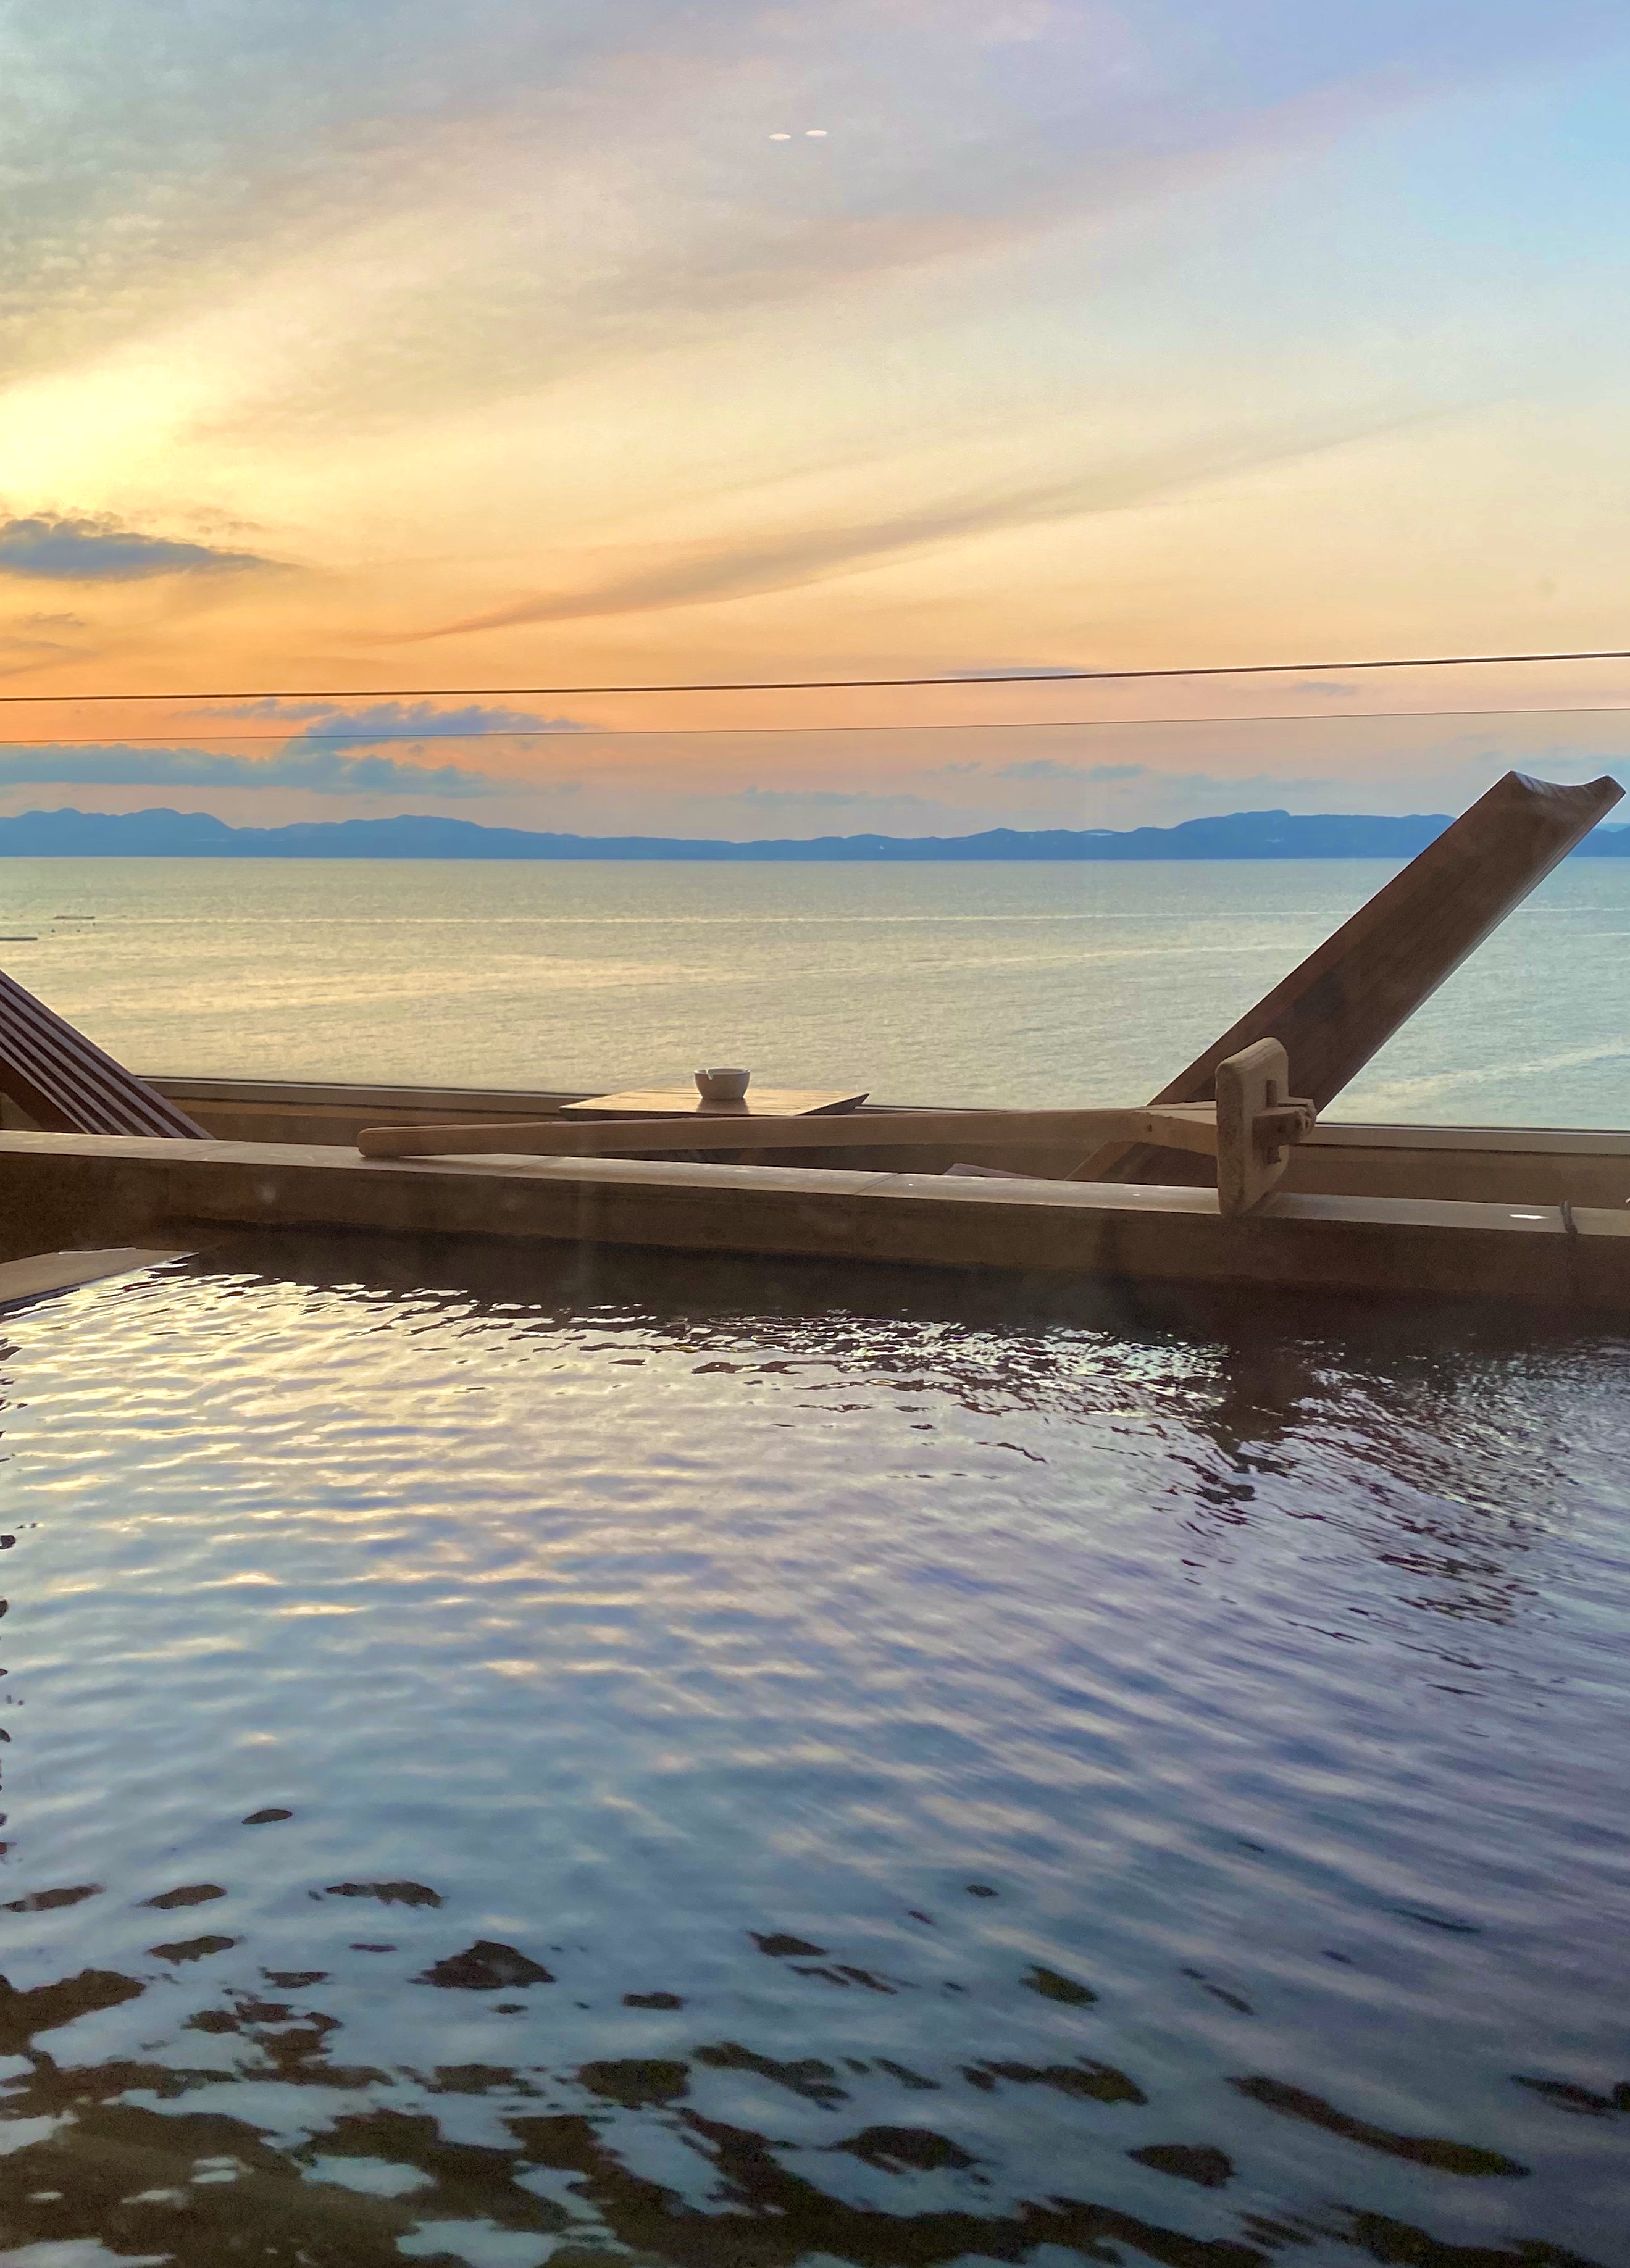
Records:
x=61, y=1188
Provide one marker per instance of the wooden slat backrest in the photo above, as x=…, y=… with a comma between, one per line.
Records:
x=65, y=1082
x=1352, y=993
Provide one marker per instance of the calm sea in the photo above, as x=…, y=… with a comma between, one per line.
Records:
x=1049, y=983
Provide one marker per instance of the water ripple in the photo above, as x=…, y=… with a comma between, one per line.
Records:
x=628, y=1768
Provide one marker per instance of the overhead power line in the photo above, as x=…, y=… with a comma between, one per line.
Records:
x=853, y=684
x=574, y=738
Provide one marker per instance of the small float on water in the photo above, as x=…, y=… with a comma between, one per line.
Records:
x=1228, y=1175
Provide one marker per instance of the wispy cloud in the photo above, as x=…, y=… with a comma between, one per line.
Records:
x=95, y=549
x=697, y=574
x=819, y=799
x=944, y=113
x=533, y=192
x=329, y=722
x=320, y=772
x=31, y=646
x=1049, y=769
x=1018, y=669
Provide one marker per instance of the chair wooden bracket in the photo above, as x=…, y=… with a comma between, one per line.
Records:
x=1257, y=1121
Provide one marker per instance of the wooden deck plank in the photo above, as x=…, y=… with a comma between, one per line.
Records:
x=1188, y=1127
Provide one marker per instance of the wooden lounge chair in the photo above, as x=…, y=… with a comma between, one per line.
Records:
x=67, y=1084
x=1345, y=1002
x=1245, y=1131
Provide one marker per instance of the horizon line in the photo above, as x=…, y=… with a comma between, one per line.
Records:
x=66, y=822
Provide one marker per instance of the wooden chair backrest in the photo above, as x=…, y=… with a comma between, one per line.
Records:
x=65, y=1082
x=1352, y=993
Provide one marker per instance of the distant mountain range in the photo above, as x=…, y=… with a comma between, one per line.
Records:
x=1239, y=835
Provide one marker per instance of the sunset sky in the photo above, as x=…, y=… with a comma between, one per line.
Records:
x=359, y=351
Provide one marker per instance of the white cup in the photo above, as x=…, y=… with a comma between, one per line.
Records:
x=722, y=1085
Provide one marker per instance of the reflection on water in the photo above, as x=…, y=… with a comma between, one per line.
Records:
x=624, y=1766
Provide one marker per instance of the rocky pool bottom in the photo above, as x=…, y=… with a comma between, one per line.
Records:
x=509, y=1762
